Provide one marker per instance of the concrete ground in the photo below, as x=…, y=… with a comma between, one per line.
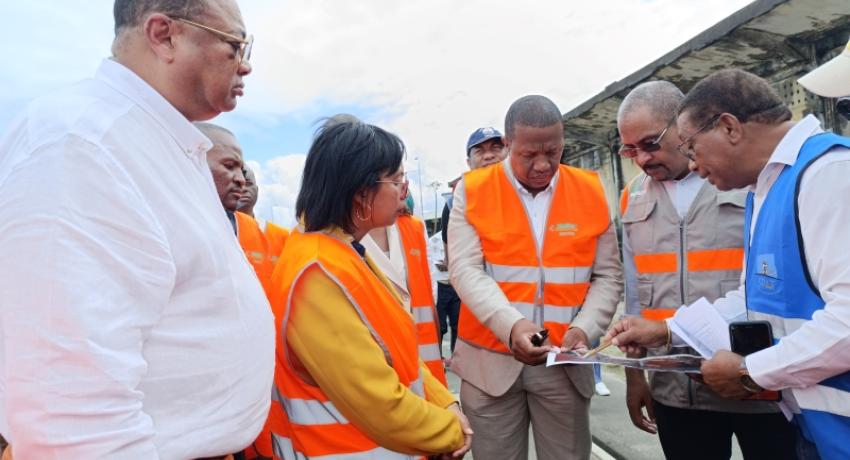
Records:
x=614, y=436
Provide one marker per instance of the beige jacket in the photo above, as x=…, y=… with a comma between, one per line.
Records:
x=492, y=372
x=714, y=221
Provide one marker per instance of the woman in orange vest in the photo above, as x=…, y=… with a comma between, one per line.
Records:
x=349, y=375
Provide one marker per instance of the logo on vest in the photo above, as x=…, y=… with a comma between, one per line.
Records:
x=415, y=252
x=766, y=267
x=564, y=229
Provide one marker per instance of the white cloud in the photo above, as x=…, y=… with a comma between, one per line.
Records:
x=279, y=180
x=434, y=69
x=442, y=68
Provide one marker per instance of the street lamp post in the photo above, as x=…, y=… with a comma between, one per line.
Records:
x=419, y=174
x=434, y=185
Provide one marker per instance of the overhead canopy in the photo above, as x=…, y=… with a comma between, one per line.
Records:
x=776, y=39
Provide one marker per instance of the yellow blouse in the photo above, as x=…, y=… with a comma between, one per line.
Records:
x=338, y=351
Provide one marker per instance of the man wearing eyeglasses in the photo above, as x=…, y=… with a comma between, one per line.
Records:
x=132, y=325
x=739, y=133
x=682, y=240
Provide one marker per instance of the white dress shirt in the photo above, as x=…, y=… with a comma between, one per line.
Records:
x=821, y=347
x=437, y=253
x=682, y=194
x=537, y=206
x=132, y=325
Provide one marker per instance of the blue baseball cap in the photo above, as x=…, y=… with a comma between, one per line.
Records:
x=480, y=136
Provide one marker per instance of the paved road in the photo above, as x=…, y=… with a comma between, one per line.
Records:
x=614, y=436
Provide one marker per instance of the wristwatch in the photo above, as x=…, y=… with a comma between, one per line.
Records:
x=747, y=381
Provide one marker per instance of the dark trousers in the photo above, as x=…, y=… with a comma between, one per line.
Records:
x=699, y=434
x=448, y=308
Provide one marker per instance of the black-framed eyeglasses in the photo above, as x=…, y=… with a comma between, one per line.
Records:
x=631, y=151
x=686, y=147
x=241, y=46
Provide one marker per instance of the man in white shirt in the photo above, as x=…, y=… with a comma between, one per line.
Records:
x=531, y=247
x=132, y=325
x=682, y=240
x=738, y=133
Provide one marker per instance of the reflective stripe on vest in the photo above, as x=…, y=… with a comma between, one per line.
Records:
x=284, y=450
x=702, y=260
x=547, y=284
x=780, y=289
x=680, y=259
x=315, y=428
x=412, y=234
x=657, y=314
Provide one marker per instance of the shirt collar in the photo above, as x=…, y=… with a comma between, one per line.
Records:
x=125, y=81
x=789, y=147
x=518, y=185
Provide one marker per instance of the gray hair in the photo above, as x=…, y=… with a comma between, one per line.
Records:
x=533, y=111
x=661, y=97
x=131, y=13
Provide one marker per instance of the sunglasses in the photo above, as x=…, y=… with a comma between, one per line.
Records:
x=631, y=150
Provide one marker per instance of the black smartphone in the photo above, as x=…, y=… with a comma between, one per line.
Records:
x=538, y=337
x=749, y=337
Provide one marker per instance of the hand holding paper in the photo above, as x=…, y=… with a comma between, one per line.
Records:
x=699, y=325
x=633, y=334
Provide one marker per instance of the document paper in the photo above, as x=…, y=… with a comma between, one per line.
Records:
x=701, y=327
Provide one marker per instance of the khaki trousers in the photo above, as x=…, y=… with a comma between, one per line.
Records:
x=545, y=398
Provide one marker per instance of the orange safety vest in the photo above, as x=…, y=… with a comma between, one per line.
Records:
x=412, y=234
x=547, y=285
x=256, y=249
x=267, y=445
x=276, y=237
x=315, y=427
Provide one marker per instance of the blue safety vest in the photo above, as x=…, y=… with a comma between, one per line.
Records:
x=779, y=289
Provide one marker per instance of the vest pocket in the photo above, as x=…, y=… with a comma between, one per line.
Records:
x=728, y=285
x=645, y=293
x=636, y=223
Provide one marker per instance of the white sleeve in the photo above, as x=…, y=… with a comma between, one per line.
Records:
x=86, y=272
x=820, y=348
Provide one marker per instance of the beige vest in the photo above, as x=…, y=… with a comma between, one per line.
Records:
x=679, y=261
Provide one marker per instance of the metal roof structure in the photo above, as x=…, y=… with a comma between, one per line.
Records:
x=779, y=40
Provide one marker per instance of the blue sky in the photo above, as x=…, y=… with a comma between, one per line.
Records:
x=431, y=71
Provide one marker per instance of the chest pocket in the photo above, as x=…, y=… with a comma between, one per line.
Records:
x=638, y=227
x=729, y=224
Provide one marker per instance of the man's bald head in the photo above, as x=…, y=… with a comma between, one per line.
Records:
x=532, y=111
x=225, y=162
